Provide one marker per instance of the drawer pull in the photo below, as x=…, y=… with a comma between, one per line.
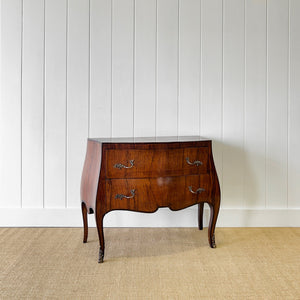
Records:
x=196, y=162
x=121, y=196
x=198, y=191
x=120, y=166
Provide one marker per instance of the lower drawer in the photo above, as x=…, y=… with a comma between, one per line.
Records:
x=146, y=195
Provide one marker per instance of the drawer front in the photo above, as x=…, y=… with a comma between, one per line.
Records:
x=195, y=160
x=155, y=163
x=146, y=195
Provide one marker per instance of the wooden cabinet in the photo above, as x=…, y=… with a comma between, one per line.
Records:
x=146, y=174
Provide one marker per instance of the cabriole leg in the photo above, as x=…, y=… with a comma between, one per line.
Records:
x=200, y=215
x=99, y=222
x=101, y=255
x=85, y=222
x=214, y=211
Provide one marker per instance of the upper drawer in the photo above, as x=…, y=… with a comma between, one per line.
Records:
x=134, y=163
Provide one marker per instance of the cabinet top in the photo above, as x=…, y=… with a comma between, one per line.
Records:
x=158, y=139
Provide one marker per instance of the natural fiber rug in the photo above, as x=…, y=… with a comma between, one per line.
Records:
x=150, y=263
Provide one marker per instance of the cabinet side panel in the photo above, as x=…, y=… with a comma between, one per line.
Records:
x=90, y=174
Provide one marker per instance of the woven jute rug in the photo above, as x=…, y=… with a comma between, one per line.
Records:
x=150, y=263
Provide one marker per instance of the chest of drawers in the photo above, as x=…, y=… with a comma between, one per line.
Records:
x=144, y=174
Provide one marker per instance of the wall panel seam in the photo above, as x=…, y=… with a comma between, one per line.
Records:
x=21, y=100
x=244, y=108
x=66, y=112
x=288, y=102
x=111, y=67
x=178, y=64
x=266, y=104
x=134, y=67
x=200, y=71
x=44, y=102
x=156, y=61
x=89, y=70
x=222, y=101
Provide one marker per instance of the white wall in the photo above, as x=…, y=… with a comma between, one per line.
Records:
x=228, y=70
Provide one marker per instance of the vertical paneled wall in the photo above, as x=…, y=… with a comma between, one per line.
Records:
x=55, y=103
x=224, y=69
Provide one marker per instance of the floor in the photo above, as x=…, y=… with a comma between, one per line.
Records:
x=150, y=263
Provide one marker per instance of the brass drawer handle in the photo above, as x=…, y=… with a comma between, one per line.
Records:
x=195, y=163
x=121, y=196
x=120, y=166
x=198, y=191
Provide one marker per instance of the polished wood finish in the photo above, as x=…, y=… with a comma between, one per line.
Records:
x=158, y=162
x=146, y=174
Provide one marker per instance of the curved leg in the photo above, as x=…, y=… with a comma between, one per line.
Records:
x=85, y=222
x=99, y=222
x=200, y=215
x=214, y=211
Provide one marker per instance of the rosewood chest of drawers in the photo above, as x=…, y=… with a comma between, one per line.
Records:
x=144, y=174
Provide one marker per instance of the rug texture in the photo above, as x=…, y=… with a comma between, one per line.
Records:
x=150, y=263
